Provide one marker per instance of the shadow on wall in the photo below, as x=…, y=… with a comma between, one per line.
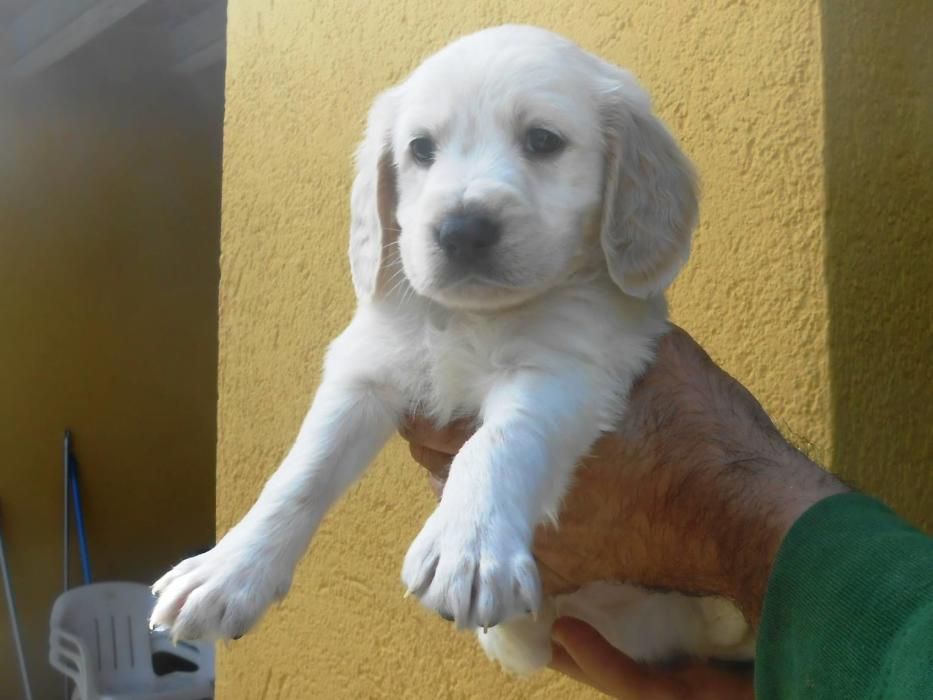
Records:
x=879, y=228
x=109, y=236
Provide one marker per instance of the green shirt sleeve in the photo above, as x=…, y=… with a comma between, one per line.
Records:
x=848, y=613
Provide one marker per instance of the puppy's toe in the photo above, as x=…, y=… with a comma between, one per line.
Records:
x=480, y=574
x=221, y=595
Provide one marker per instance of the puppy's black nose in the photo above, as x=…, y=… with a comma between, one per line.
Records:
x=464, y=237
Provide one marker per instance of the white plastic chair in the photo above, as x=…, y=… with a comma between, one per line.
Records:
x=99, y=637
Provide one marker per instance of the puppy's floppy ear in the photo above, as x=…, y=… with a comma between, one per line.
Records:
x=651, y=196
x=373, y=200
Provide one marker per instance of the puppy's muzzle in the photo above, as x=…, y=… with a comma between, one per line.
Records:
x=467, y=239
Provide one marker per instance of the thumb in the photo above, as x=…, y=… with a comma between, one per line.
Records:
x=593, y=659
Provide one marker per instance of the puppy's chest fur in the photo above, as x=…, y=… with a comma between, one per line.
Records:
x=444, y=363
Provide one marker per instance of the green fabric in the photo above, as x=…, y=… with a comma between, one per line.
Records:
x=849, y=609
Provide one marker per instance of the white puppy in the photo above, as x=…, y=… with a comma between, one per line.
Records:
x=517, y=215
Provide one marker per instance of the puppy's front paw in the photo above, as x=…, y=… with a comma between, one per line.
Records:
x=472, y=568
x=220, y=594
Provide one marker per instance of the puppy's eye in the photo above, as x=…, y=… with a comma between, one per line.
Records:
x=423, y=149
x=541, y=142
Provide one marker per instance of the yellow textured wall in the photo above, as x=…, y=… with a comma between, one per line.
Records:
x=740, y=83
x=879, y=247
x=109, y=228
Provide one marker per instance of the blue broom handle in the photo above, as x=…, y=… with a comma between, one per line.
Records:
x=66, y=508
x=79, y=522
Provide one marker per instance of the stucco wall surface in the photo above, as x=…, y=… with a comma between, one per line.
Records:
x=741, y=85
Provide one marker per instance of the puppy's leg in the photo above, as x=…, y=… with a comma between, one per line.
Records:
x=222, y=593
x=522, y=645
x=727, y=632
x=472, y=561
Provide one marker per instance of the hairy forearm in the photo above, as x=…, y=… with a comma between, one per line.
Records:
x=771, y=500
x=719, y=486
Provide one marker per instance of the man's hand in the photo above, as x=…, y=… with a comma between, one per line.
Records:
x=694, y=492
x=580, y=653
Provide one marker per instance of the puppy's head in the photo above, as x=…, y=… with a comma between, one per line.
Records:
x=509, y=160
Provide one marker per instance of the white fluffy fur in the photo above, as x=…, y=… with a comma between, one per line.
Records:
x=542, y=346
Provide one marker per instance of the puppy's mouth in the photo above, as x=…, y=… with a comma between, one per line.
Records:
x=480, y=291
x=460, y=282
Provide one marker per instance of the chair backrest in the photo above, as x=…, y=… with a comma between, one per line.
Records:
x=111, y=620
